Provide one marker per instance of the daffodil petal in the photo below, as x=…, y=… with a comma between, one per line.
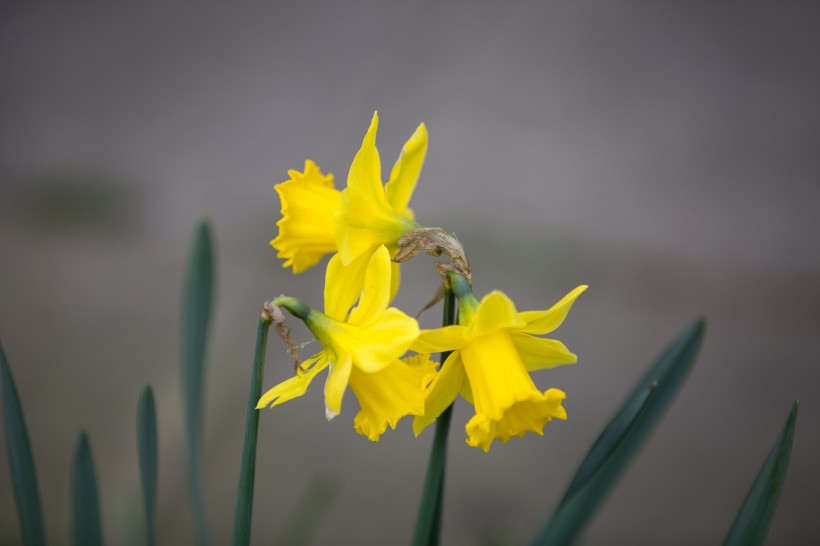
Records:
x=447, y=338
x=544, y=322
x=295, y=386
x=406, y=170
x=376, y=294
x=443, y=392
x=362, y=223
x=307, y=227
x=495, y=312
x=395, y=277
x=539, y=353
x=365, y=171
x=353, y=239
x=335, y=386
x=385, y=340
x=466, y=392
x=388, y=395
x=343, y=285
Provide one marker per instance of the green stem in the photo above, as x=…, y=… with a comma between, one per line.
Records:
x=244, y=496
x=428, y=523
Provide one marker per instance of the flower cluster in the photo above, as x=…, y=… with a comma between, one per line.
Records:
x=369, y=227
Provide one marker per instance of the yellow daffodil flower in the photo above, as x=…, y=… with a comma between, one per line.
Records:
x=318, y=219
x=494, y=350
x=361, y=347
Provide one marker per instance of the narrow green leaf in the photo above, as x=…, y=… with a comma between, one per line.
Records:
x=196, y=311
x=752, y=521
x=596, y=474
x=85, y=507
x=428, y=521
x=21, y=463
x=147, y=451
x=247, y=471
x=620, y=440
x=302, y=523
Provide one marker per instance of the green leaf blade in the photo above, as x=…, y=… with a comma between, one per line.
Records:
x=147, y=452
x=247, y=470
x=86, y=529
x=21, y=462
x=752, y=521
x=196, y=311
x=613, y=437
x=622, y=438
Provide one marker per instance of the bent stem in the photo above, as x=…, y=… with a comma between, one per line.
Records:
x=428, y=523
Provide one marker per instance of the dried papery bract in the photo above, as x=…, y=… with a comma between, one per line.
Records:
x=435, y=242
x=273, y=312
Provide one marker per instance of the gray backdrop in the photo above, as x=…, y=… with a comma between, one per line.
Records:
x=664, y=154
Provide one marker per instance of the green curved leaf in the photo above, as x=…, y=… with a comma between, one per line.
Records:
x=620, y=440
x=21, y=462
x=247, y=471
x=147, y=451
x=752, y=521
x=196, y=311
x=85, y=507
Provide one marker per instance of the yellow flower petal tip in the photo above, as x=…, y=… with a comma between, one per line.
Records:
x=295, y=386
x=306, y=229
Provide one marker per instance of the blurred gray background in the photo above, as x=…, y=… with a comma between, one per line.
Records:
x=667, y=155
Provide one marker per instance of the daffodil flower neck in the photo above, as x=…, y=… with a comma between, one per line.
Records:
x=335, y=336
x=319, y=322
x=467, y=302
x=294, y=306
